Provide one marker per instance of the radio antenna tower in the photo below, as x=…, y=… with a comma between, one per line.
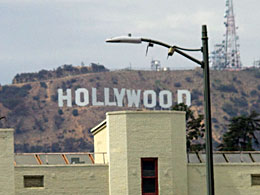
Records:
x=226, y=56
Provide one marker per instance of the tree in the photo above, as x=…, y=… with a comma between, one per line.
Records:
x=241, y=133
x=194, y=128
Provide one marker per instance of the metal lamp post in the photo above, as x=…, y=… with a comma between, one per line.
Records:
x=207, y=107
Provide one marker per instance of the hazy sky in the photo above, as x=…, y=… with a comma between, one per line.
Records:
x=43, y=34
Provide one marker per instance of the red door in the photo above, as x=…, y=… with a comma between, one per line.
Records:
x=149, y=167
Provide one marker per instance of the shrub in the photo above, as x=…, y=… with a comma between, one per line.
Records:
x=59, y=72
x=36, y=148
x=21, y=110
x=26, y=88
x=69, y=144
x=67, y=84
x=177, y=84
x=199, y=74
x=43, y=85
x=84, y=145
x=240, y=102
x=159, y=85
x=60, y=112
x=84, y=70
x=227, y=88
x=230, y=110
x=225, y=118
x=198, y=103
x=58, y=120
x=18, y=128
x=98, y=68
x=115, y=81
x=257, y=74
x=11, y=96
x=256, y=106
x=253, y=93
x=73, y=80
x=188, y=79
x=55, y=147
x=54, y=98
x=196, y=94
x=236, y=80
x=36, y=98
x=45, y=119
x=43, y=74
x=39, y=125
x=243, y=94
x=75, y=112
x=214, y=120
x=68, y=68
x=60, y=137
x=243, y=112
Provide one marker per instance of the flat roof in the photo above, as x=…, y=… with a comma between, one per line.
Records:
x=226, y=157
x=56, y=158
x=88, y=158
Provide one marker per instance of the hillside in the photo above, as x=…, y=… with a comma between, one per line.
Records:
x=42, y=126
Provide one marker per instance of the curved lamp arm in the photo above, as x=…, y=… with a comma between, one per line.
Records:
x=172, y=48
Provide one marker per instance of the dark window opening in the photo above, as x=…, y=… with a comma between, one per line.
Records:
x=33, y=181
x=255, y=180
x=76, y=161
x=149, y=167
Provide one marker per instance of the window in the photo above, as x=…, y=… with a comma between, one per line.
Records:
x=255, y=180
x=74, y=161
x=33, y=181
x=149, y=167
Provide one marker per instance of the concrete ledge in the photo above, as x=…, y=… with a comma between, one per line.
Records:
x=146, y=112
x=61, y=166
x=99, y=127
x=224, y=164
x=7, y=130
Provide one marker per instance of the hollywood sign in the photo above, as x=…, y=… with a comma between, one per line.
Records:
x=122, y=97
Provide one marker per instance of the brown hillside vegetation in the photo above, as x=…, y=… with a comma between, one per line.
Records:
x=41, y=126
x=62, y=71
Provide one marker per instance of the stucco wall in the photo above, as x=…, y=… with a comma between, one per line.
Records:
x=117, y=154
x=230, y=179
x=68, y=179
x=100, y=146
x=136, y=135
x=6, y=162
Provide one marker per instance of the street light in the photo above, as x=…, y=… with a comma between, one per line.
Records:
x=204, y=64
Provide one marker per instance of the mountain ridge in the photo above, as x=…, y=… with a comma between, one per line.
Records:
x=42, y=126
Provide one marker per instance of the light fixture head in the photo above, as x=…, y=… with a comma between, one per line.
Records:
x=171, y=51
x=124, y=39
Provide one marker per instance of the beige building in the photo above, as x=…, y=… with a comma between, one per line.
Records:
x=135, y=152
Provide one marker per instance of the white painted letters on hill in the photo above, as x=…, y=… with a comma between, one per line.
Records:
x=120, y=97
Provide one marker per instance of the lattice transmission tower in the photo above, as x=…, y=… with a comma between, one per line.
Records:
x=226, y=56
